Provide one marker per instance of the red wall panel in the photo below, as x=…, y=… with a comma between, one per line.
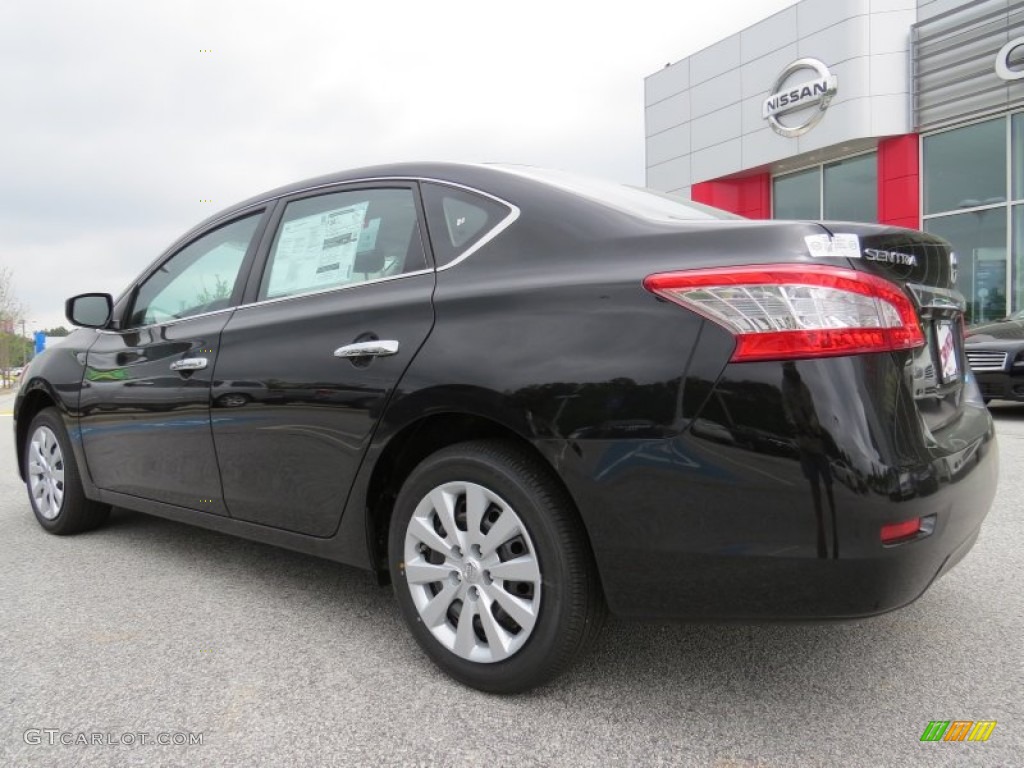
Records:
x=748, y=196
x=899, y=183
x=899, y=187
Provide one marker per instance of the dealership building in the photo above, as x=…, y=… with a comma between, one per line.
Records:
x=903, y=112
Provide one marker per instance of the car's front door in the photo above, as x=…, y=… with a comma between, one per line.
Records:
x=307, y=366
x=145, y=406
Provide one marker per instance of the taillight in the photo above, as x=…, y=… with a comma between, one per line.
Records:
x=790, y=311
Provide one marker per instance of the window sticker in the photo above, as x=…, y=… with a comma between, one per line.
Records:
x=317, y=251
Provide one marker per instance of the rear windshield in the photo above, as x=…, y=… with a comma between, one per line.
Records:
x=637, y=201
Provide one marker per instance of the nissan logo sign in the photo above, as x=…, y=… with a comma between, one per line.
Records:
x=1003, y=68
x=798, y=96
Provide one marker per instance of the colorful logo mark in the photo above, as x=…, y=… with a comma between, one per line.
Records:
x=958, y=730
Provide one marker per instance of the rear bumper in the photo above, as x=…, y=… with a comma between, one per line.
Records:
x=745, y=577
x=743, y=520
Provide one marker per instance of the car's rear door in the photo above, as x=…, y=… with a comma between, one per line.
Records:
x=145, y=404
x=306, y=367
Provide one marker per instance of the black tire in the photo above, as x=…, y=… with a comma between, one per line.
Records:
x=75, y=513
x=571, y=606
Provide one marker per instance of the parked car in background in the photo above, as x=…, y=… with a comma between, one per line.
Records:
x=996, y=354
x=526, y=398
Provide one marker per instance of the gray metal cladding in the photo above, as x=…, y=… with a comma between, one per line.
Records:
x=953, y=59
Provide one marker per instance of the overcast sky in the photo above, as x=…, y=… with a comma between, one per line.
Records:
x=115, y=125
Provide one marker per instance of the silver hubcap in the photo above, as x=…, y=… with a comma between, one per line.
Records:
x=472, y=572
x=46, y=473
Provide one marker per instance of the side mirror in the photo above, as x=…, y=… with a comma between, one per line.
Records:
x=89, y=310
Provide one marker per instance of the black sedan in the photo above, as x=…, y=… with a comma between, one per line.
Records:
x=527, y=399
x=996, y=354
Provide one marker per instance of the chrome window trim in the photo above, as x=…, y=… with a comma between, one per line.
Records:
x=333, y=289
x=137, y=328
x=498, y=228
x=185, y=241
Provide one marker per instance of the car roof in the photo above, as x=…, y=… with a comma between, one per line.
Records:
x=505, y=181
x=485, y=176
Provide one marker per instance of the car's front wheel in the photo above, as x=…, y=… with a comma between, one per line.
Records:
x=491, y=567
x=53, y=481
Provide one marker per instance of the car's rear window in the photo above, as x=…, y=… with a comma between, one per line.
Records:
x=638, y=201
x=459, y=220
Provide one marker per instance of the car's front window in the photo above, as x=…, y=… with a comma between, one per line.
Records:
x=200, y=278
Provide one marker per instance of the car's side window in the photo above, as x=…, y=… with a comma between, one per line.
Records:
x=343, y=238
x=199, y=278
x=458, y=219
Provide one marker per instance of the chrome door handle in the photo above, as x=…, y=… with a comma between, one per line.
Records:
x=367, y=349
x=189, y=364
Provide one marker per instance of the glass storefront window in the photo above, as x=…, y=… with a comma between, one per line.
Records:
x=1017, y=166
x=965, y=167
x=1018, y=259
x=798, y=195
x=979, y=240
x=851, y=189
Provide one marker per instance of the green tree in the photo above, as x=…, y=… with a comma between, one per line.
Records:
x=11, y=312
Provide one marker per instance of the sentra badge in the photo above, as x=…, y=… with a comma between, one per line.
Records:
x=890, y=257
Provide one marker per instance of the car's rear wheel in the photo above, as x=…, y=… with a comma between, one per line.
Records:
x=491, y=567
x=53, y=481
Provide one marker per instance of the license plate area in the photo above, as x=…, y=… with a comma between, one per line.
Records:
x=947, y=351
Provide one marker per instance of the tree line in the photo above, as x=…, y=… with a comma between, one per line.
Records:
x=15, y=348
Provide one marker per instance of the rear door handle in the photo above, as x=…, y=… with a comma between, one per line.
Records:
x=377, y=348
x=189, y=364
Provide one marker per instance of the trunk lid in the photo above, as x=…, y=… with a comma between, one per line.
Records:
x=924, y=265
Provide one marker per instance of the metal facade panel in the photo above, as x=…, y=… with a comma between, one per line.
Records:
x=668, y=113
x=668, y=145
x=723, y=89
x=715, y=60
x=768, y=36
x=954, y=58
x=715, y=94
x=667, y=82
x=713, y=128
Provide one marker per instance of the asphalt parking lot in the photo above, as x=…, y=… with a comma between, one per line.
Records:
x=151, y=627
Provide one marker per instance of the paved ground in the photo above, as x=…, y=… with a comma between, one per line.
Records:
x=148, y=626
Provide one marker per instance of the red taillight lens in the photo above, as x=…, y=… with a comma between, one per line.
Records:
x=790, y=311
x=893, y=532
